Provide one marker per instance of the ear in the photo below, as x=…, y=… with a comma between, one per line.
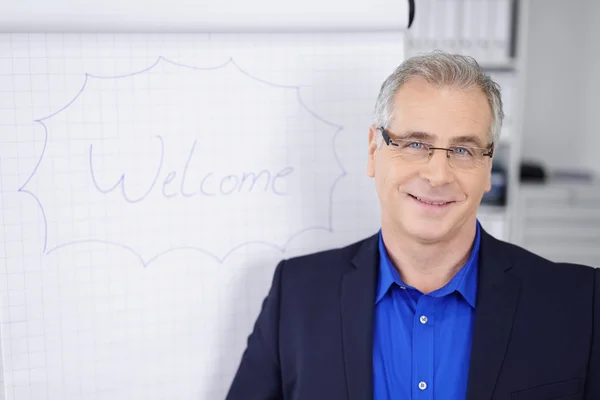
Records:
x=372, y=151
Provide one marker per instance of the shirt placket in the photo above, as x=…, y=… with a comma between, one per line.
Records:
x=423, y=349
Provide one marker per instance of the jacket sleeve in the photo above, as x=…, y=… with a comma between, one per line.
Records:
x=592, y=386
x=259, y=374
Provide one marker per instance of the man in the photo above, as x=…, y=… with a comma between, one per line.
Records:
x=431, y=307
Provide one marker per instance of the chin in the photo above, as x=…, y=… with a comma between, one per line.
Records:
x=426, y=229
x=426, y=232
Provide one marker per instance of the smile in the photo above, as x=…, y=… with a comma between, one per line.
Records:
x=431, y=202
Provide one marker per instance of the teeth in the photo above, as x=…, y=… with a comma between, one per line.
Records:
x=431, y=202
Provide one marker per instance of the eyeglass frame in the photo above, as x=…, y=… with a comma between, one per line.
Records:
x=389, y=141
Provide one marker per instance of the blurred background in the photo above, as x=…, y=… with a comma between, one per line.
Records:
x=545, y=54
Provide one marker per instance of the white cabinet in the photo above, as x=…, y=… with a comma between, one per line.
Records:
x=493, y=220
x=560, y=222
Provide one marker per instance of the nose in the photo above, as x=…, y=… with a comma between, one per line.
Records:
x=437, y=171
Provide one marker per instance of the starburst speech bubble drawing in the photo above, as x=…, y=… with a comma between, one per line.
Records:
x=179, y=157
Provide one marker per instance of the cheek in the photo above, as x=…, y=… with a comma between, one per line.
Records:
x=393, y=177
x=475, y=186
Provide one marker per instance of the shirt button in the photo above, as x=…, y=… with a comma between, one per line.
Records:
x=422, y=385
x=423, y=319
x=403, y=287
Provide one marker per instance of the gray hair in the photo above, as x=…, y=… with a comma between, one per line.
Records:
x=441, y=69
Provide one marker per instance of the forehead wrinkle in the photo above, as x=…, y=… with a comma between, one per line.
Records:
x=420, y=135
x=432, y=138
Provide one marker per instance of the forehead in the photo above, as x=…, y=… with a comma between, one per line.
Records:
x=444, y=112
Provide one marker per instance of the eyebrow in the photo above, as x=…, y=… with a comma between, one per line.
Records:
x=418, y=135
x=430, y=138
x=467, y=139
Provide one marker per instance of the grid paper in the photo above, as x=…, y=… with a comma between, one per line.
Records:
x=151, y=183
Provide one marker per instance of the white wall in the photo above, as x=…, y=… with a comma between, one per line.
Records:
x=591, y=97
x=554, y=125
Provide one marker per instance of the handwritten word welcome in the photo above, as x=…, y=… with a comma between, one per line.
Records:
x=209, y=185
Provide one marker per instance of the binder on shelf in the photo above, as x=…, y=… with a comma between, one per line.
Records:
x=448, y=24
x=419, y=31
x=501, y=30
x=433, y=34
x=479, y=28
x=469, y=28
x=482, y=22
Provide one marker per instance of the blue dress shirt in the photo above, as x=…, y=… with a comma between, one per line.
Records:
x=422, y=342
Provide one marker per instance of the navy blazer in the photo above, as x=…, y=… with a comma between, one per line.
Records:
x=536, y=335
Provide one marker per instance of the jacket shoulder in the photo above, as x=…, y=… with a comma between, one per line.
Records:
x=526, y=262
x=330, y=258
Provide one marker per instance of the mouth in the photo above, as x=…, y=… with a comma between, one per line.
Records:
x=431, y=203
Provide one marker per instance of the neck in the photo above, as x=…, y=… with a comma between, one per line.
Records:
x=428, y=266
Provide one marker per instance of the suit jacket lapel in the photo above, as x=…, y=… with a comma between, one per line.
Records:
x=497, y=298
x=357, y=307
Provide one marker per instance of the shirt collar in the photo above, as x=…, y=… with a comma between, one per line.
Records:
x=464, y=282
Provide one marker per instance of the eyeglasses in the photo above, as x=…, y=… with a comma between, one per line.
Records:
x=460, y=157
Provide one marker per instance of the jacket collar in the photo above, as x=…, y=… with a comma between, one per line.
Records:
x=357, y=308
x=497, y=298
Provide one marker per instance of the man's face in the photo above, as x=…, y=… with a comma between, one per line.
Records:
x=441, y=117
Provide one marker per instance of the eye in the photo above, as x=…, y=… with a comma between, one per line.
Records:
x=463, y=151
x=416, y=145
